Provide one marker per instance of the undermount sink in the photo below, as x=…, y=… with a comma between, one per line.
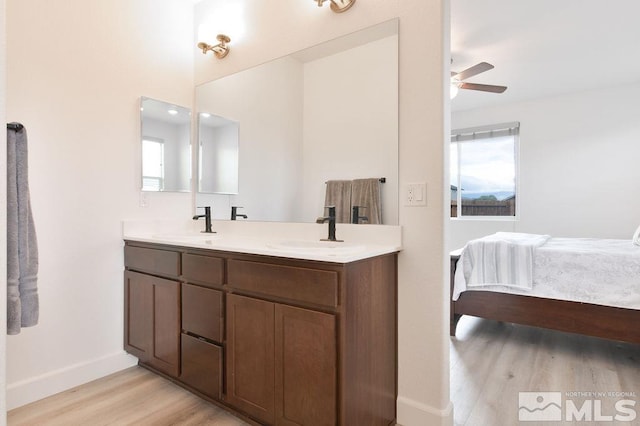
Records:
x=205, y=238
x=330, y=248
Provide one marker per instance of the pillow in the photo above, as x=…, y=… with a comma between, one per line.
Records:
x=636, y=237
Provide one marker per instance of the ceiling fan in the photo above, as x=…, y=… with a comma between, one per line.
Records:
x=457, y=80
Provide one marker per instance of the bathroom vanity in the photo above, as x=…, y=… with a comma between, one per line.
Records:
x=276, y=338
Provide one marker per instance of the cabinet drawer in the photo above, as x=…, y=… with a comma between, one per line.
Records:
x=202, y=311
x=289, y=282
x=203, y=270
x=202, y=366
x=162, y=262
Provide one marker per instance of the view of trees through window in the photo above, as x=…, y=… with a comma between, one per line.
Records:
x=483, y=174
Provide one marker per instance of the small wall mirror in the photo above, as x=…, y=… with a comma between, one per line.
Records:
x=217, y=154
x=166, y=146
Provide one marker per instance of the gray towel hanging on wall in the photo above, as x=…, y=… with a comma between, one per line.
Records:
x=22, y=244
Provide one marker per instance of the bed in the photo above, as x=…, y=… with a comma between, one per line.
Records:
x=577, y=285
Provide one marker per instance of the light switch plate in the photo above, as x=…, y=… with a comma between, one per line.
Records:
x=415, y=194
x=144, y=199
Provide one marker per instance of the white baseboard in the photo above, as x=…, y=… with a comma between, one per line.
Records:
x=414, y=413
x=36, y=388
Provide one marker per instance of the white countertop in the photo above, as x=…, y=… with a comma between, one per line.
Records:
x=289, y=240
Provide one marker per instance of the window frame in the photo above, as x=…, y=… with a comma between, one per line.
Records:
x=482, y=133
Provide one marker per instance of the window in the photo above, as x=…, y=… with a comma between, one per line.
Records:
x=152, y=164
x=484, y=170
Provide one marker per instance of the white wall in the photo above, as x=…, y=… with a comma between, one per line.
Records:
x=578, y=165
x=275, y=29
x=76, y=71
x=218, y=154
x=351, y=131
x=267, y=105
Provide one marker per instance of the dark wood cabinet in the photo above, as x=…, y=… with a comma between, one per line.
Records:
x=306, y=367
x=250, y=364
x=152, y=321
x=281, y=362
x=202, y=312
x=202, y=327
x=202, y=366
x=281, y=341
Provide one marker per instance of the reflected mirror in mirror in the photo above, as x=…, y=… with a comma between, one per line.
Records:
x=326, y=113
x=166, y=146
x=217, y=154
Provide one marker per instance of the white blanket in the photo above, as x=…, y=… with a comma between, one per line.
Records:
x=588, y=270
x=504, y=258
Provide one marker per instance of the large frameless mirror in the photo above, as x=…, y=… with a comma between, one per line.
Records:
x=166, y=146
x=327, y=113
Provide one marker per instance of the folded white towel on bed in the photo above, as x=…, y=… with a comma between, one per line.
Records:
x=504, y=258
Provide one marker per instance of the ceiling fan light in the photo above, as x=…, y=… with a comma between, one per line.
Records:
x=453, y=90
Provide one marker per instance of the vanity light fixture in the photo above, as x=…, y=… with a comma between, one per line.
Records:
x=338, y=6
x=220, y=50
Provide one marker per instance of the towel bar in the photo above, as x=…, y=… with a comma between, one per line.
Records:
x=15, y=126
x=382, y=180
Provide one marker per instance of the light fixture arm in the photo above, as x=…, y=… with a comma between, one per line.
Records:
x=338, y=6
x=220, y=50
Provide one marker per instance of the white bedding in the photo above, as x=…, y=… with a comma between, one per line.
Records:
x=504, y=258
x=597, y=271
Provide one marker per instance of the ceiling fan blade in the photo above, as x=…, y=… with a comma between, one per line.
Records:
x=483, y=87
x=474, y=70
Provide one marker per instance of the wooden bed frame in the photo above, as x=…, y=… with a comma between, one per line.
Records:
x=573, y=317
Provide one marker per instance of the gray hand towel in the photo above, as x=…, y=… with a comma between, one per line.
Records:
x=22, y=247
x=366, y=193
x=339, y=194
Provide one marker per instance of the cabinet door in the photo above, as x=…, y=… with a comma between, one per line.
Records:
x=152, y=321
x=306, y=372
x=250, y=356
x=166, y=326
x=138, y=297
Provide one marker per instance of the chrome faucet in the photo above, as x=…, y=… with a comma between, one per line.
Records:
x=207, y=219
x=331, y=219
x=235, y=215
x=355, y=216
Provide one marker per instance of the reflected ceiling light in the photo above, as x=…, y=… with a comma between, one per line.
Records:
x=338, y=6
x=173, y=111
x=220, y=50
x=205, y=115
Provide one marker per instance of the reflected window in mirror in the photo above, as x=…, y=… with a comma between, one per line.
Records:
x=152, y=164
x=217, y=154
x=166, y=146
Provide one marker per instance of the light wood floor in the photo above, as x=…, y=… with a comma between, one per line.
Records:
x=491, y=362
x=131, y=397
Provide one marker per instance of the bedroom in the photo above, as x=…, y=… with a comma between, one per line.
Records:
x=572, y=86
